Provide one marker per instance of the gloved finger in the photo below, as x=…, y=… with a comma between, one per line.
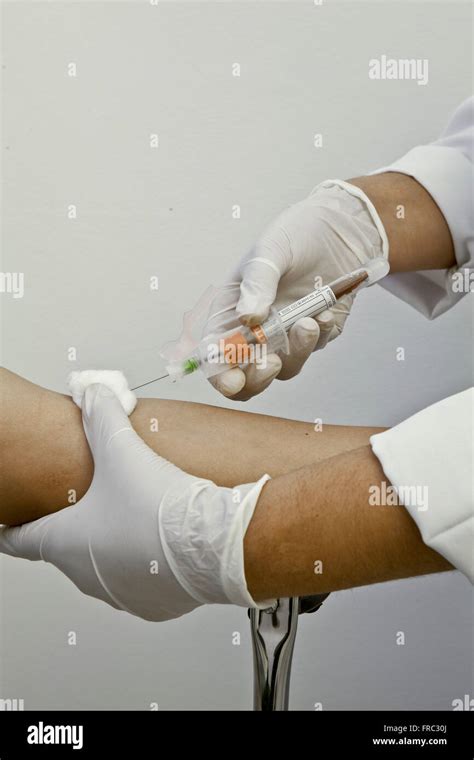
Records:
x=103, y=418
x=25, y=540
x=258, y=377
x=303, y=338
x=230, y=382
x=116, y=448
x=258, y=289
x=114, y=379
x=221, y=308
x=326, y=321
x=340, y=311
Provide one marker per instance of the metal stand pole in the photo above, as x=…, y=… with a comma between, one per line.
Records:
x=273, y=639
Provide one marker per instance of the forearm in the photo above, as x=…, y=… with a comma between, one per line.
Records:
x=419, y=237
x=318, y=513
x=46, y=463
x=314, y=531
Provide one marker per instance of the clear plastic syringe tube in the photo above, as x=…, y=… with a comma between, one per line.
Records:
x=241, y=345
x=322, y=298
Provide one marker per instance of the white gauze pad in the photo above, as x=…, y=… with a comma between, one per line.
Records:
x=115, y=380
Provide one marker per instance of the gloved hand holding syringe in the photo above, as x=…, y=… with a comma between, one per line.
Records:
x=231, y=343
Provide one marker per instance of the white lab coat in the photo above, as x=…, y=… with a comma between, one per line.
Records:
x=431, y=454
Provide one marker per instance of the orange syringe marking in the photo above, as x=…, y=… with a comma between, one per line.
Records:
x=235, y=349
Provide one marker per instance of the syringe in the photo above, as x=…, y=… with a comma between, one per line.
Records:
x=217, y=353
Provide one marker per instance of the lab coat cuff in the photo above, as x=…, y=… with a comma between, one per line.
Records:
x=428, y=459
x=447, y=174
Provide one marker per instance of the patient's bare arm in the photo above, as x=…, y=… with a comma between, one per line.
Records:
x=314, y=510
x=314, y=531
x=44, y=453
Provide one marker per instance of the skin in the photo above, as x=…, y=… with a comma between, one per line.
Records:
x=321, y=513
x=316, y=507
x=32, y=415
x=421, y=240
x=330, y=498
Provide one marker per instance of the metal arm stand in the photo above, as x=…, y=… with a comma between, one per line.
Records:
x=273, y=639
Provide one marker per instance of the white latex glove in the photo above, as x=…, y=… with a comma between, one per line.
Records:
x=142, y=513
x=333, y=231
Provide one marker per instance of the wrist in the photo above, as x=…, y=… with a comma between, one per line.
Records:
x=357, y=205
x=417, y=232
x=202, y=528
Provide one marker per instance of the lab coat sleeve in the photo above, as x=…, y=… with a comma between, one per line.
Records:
x=445, y=169
x=431, y=453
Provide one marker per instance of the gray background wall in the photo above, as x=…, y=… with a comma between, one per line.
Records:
x=166, y=69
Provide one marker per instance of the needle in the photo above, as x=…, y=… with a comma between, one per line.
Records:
x=150, y=382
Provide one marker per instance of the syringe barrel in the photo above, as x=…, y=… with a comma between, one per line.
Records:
x=242, y=345
x=239, y=344
x=308, y=306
